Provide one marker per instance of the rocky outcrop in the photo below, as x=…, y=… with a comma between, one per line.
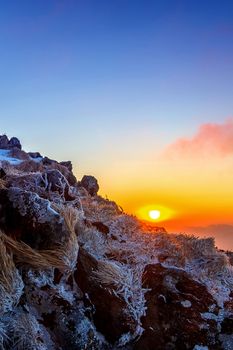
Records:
x=31, y=219
x=90, y=184
x=5, y=143
x=111, y=314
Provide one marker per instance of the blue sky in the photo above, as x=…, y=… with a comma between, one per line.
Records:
x=96, y=80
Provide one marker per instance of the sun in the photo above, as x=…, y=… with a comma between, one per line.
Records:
x=154, y=214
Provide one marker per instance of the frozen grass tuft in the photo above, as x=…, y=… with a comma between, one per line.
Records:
x=11, y=284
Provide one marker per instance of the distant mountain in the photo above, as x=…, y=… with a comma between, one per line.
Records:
x=78, y=273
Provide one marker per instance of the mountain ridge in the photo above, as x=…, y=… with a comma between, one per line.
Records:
x=79, y=273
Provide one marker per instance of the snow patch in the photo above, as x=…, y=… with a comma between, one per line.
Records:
x=5, y=157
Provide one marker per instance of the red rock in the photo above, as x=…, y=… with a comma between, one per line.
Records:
x=174, y=303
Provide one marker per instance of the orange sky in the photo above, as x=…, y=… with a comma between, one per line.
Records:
x=191, y=178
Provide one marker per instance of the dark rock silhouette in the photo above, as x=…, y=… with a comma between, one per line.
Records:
x=90, y=184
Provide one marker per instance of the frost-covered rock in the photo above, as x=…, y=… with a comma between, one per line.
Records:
x=111, y=314
x=31, y=218
x=174, y=307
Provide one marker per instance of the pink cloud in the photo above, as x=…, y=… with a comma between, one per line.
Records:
x=210, y=140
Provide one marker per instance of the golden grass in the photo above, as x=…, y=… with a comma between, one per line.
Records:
x=2, y=184
x=62, y=257
x=100, y=209
x=109, y=274
x=25, y=255
x=7, y=270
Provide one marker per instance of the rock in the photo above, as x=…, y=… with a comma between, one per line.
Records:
x=174, y=307
x=90, y=184
x=31, y=219
x=33, y=182
x=2, y=173
x=15, y=143
x=57, y=182
x=34, y=155
x=19, y=154
x=48, y=161
x=110, y=312
x=4, y=141
x=63, y=168
x=59, y=313
x=68, y=165
x=227, y=325
x=101, y=227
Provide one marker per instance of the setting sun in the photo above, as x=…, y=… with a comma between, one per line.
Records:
x=149, y=213
x=154, y=214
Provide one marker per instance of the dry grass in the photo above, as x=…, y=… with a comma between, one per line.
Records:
x=71, y=216
x=3, y=335
x=7, y=274
x=193, y=247
x=24, y=255
x=109, y=274
x=11, y=284
x=62, y=257
x=100, y=209
x=2, y=184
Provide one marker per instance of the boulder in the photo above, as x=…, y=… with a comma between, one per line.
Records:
x=14, y=143
x=33, y=182
x=4, y=141
x=2, y=173
x=34, y=155
x=90, y=184
x=67, y=164
x=56, y=182
x=175, y=304
x=63, y=167
x=110, y=312
x=101, y=227
x=30, y=218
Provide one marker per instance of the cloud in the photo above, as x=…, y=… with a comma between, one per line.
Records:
x=211, y=140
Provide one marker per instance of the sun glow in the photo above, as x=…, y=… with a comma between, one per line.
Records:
x=154, y=214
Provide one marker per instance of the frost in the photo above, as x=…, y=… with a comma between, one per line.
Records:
x=5, y=156
x=186, y=303
x=227, y=341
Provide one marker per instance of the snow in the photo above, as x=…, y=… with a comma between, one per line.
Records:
x=5, y=156
x=37, y=160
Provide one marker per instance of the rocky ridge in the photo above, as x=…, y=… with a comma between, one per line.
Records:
x=79, y=273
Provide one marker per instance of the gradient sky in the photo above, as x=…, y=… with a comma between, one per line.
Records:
x=115, y=85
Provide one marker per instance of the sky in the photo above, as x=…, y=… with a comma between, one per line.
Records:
x=135, y=92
